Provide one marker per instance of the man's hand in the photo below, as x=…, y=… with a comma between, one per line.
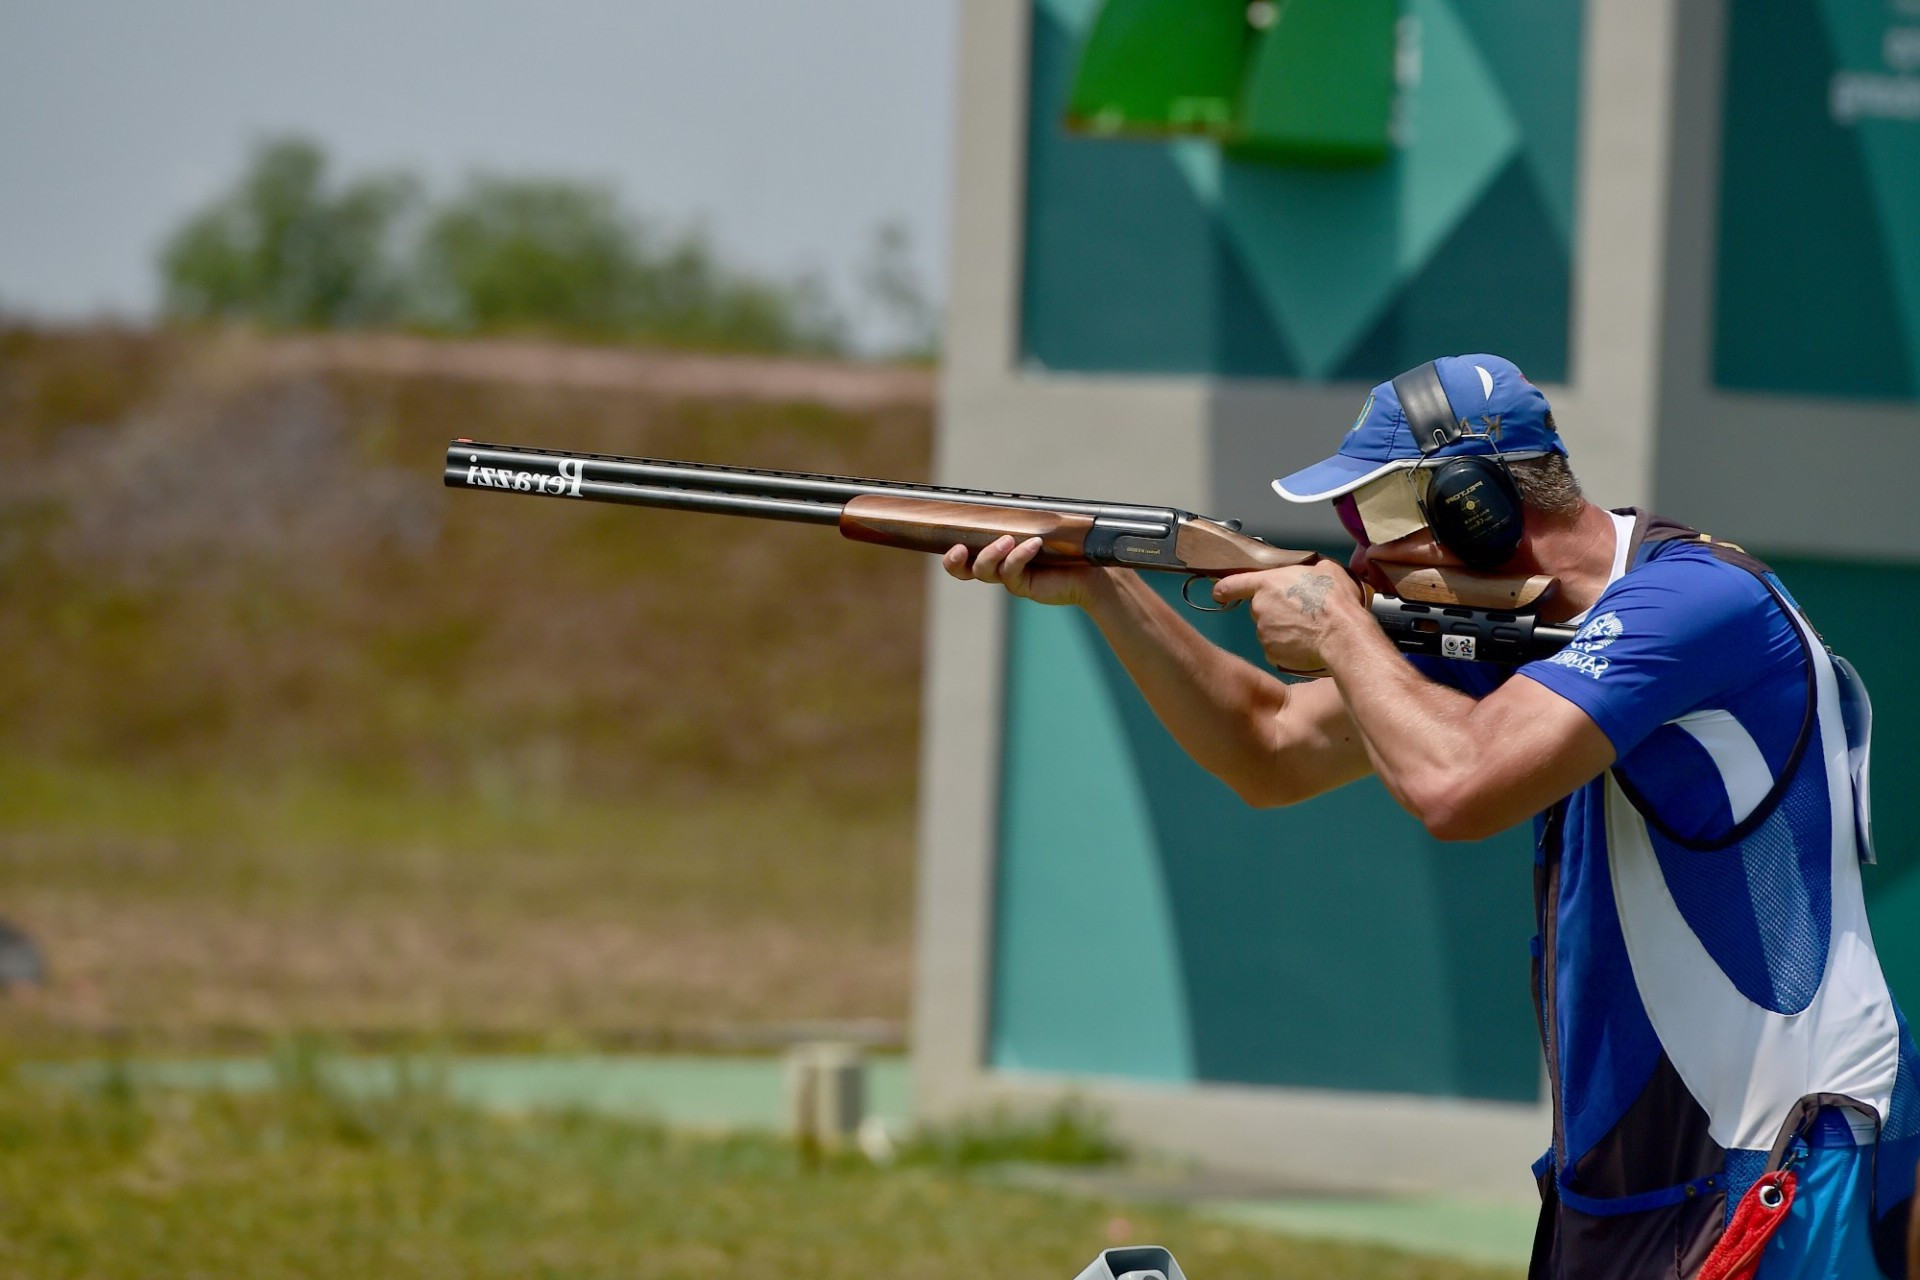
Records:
x=1294, y=609
x=1010, y=563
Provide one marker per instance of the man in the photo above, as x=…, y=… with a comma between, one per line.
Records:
x=1727, y=1065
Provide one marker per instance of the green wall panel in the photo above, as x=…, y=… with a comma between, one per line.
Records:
x=1150, y=925
x=1087, y=977
x=1174, y=257
x=1818, y=277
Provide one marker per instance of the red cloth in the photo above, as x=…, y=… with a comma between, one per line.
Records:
x=1737, y=1255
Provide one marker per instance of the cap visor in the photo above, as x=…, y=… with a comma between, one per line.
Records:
x=1335, y=477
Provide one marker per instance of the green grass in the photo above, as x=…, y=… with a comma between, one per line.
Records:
x=306, y=1180
x=1070, y=1134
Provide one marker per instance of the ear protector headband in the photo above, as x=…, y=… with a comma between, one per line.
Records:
x=1472, y=504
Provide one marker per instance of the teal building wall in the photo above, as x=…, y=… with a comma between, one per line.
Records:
x=1172, y=257
x=1146, y=925
x=1818, y=270
x=1149, y=925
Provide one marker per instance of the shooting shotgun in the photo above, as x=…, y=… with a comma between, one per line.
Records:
x=1442, y=612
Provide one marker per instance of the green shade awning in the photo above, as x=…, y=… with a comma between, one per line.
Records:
x=1319, y=84
x=1158, y=67
x=1299, y=81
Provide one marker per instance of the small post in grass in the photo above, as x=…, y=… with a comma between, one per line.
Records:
x=826, y=1097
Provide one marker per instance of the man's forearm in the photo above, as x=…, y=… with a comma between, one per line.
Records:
x=1414, y=730
x=1238, y=722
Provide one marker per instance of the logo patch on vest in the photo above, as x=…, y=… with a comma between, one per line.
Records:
x=1583, y=655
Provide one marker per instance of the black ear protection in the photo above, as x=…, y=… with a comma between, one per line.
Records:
x=1472, y=503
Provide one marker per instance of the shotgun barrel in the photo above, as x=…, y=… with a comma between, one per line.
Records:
x=798, y=495
x=1442, y=612
x=920, y=517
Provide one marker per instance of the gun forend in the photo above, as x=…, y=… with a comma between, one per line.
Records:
x=933, y=525
x=1186, y=544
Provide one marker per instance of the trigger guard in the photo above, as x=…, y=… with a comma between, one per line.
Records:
x=1186, y=589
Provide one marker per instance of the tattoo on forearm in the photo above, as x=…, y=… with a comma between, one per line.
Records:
x=1311, y=595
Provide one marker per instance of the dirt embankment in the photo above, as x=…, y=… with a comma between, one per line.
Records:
x=297, y=737
x=237, y=553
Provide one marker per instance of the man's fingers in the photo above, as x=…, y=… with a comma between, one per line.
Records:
x=1238, y=586
x=987, y=565
x=1020, y=559
x=1013, y=564
x=1004, y=561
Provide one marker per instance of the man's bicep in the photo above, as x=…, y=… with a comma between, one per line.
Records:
x=1317, y=745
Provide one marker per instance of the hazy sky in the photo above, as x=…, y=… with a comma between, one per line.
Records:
x=792, y=126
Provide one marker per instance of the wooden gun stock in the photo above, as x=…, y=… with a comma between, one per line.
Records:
x=1430, y=585
x=1212, y=549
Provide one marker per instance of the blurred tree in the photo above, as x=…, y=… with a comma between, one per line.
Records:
x=504, y=254
x=530, y=254
x=687, y=294
x=284, y=249
x=511, y=253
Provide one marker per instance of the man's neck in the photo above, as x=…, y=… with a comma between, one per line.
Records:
x=1578, y=551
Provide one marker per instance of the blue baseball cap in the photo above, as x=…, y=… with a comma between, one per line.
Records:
x=1504, y=414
